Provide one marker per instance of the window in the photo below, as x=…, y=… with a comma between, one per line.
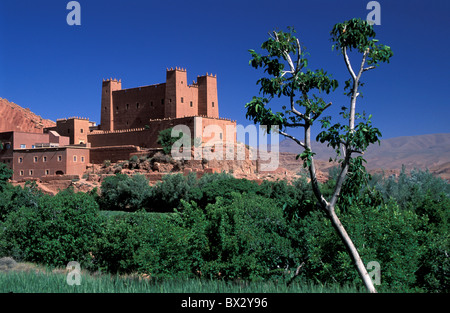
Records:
x=82, y=159
x=59, y=158
x=151, y=103
x=74, y=158
x=20, y=160
x=33, y=146
x=47, y=172
x=35, y=159
x=220, y=135
x=137, y=105
x=213, y=104
x=191, y=104
x=21, y=173
x=68, y=131
x=23, y=146
x=30, y=172
x=182, y=100
x=127, y=105
x=81, y=130
x=44, y=159
x=162, y=101
x=106, y=108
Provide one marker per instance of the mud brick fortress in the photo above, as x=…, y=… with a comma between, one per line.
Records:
x=131, y=120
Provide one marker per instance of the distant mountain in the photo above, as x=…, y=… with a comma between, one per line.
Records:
x=15, y=118
x=424, y=151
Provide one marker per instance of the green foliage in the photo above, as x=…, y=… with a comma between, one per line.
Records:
x=124, y=193
x=59, y=229
x=5, y=174
x=166, y=195
x=166, y=140
x=359, y=35
x=13, y=198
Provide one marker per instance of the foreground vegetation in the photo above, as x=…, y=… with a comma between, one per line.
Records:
x=219, y=230
x=47, y=282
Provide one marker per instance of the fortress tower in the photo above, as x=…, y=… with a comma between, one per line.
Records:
x=135, y=107
x=107, y=113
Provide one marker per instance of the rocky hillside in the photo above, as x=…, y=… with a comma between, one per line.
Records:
x=15, y=118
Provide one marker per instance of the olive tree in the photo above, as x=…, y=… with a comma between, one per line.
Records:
x=303, y=89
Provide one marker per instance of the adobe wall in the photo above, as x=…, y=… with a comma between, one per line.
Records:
x=146, y=138
x=74, y=128
x=134, y=107
x=77, y=161
x=114, y=153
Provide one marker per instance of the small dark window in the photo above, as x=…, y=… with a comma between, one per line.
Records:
x=106, y=108
x=151, y=103
x=127, y=105
x=191, y=104
x=182, y=100
x=162, y=101
x=81, y=130
x=213, y=104
x=137, y=105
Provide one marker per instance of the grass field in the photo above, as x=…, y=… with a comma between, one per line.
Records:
x=27, y=278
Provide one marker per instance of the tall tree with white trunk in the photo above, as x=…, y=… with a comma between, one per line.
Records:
x=289, y=78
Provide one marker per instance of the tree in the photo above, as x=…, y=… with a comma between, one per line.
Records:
x=166, y=140
x=5, y=174
x=289, y=77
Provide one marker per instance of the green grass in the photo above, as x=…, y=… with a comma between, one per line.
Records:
x=50, y=282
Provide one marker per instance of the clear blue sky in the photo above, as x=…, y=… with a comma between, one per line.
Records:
x=56, y=70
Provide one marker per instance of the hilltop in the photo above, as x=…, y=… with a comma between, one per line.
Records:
x=16, y=118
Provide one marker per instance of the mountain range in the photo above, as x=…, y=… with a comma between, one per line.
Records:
x=430, y=152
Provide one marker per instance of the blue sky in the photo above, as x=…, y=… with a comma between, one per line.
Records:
x=56, y=70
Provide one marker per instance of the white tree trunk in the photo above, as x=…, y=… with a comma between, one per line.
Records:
x=353, y=252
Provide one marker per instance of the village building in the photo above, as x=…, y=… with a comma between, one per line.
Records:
x=131, y=120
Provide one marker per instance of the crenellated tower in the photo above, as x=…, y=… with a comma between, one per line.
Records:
x=207, y=96
x=107, y=108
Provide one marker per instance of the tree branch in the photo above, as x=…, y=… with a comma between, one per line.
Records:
x=369, y=68
x=293, y=138
x=347, y=62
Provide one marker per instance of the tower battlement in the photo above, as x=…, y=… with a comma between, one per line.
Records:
x=175, y=98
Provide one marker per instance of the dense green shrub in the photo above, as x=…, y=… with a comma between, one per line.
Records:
x=5, y=174
x=58, y=230
x=124, y=193
x=14, y=197
x=165, y=195
x=166, y=140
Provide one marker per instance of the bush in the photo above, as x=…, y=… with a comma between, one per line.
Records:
x=60, y=229
x=249, y=239
x=166, y=140
x=124, y=193
x=165, y=195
